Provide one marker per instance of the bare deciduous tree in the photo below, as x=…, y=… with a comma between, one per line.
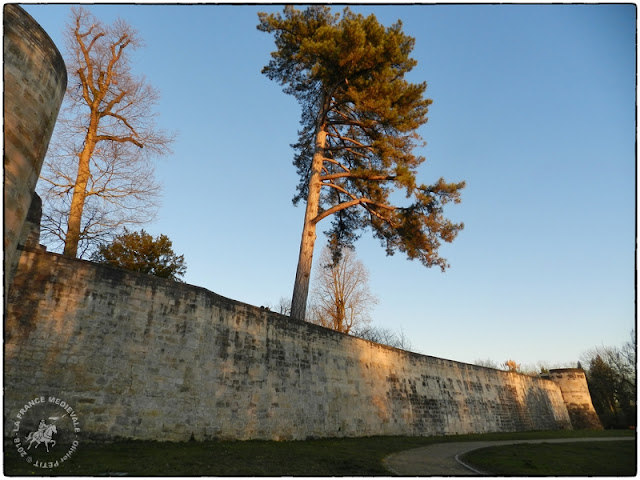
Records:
x=487, y=362
x=621, y=360
x=612, y=378
x=384, y=336
x=98, y=175
x=283, y=307
x=341, y=299
x=510, y=366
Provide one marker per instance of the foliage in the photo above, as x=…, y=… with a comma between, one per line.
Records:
x=611, y=375
x=140, y=252
x=341, y=299
x=97, y=176
x=358, y=132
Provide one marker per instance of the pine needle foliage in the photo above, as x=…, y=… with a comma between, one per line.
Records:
x=358, y=132
x=140, y=252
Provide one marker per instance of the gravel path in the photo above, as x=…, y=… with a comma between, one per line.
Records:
x=443, y=458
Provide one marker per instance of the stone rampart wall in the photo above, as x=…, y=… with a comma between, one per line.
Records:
x=575, y=391
x=147, y=358
x=35, y=79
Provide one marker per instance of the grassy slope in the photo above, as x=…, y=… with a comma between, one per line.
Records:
x=326, y=457
x=584, y=459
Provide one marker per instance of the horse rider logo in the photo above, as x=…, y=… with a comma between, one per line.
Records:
x=58, y=428
x=44, y=434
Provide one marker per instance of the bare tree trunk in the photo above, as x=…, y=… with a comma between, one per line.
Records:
x=78, y=200
x=110, y=107
x=341, y=316
x=303, y=273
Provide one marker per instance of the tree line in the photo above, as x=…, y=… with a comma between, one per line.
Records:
x=611, y=373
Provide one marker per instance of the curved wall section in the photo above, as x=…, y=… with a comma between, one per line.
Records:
x=575, y=391
x=143, y=357
x=35, y=79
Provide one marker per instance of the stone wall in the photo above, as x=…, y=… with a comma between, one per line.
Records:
x=142, y=357
x=35, y=79
x=575, y=391
x=30, y=234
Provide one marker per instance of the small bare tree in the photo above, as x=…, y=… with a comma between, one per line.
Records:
x=283, y=307
x=384, y=336
x=341, y=298
x=511, y=366
x=487, y=362
x=98, y=175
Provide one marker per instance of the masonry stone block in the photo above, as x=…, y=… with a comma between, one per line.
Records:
x=575, y=392
x=35, y=79
x=147, y=358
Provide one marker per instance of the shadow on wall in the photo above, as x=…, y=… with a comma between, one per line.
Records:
x=148, y=358
x=439, y=397
x=35, y=79
x=143, y=357
x=140, y=357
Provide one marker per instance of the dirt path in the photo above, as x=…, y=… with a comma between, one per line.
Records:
x=443, y=458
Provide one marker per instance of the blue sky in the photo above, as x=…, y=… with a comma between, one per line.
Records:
x=533, y=106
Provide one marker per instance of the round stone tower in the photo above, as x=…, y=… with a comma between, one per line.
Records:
x=35, y=79
x=575, y=391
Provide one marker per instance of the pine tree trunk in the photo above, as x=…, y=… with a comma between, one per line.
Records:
x=305, y=260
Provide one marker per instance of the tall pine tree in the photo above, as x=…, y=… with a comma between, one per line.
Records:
x=359, y=122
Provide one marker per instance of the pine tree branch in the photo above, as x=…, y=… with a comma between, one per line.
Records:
x=375, y=178
x=349, y=139
x=335, y=162
x=365, y=202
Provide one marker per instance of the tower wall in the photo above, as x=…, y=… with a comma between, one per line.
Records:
x=35, y=79
x=575, y=391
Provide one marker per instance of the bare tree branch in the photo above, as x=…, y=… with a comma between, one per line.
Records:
x=98, y=176
x=341, y=299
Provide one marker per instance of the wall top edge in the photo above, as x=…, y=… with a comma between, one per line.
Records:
x=273, y=316
x=564, y=370
x=34, y=31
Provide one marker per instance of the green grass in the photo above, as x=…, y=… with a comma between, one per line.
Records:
x=584, y=459
x=325, y=457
